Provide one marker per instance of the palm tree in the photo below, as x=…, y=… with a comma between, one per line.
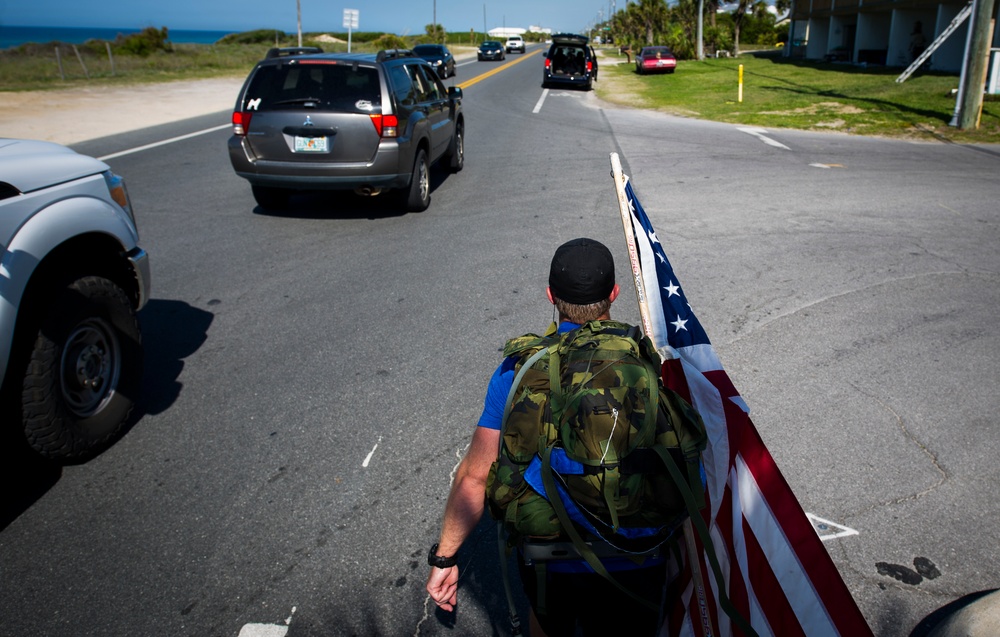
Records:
x=651, y=15
x=756, y=7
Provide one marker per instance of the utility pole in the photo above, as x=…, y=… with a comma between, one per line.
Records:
x=971, y=96
x=701, y=30
x=298, y=18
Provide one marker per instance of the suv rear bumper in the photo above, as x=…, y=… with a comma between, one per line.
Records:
x=381, y=172
x=569, y=80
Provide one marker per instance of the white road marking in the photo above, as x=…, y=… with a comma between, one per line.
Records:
x=827, y=530
x=263, y=630
x=759, y=134
x=541, y=100
x=267, y=630
x=163, y=143
x=371, y=453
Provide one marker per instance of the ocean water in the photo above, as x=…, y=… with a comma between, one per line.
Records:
x=14, y=36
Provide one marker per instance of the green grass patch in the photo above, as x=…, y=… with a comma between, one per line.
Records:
x=780, y=93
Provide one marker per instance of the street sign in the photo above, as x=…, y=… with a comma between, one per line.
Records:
x=351, y=18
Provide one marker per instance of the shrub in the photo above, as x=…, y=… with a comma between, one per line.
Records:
x=259, y=36
x=145, y=42
x=390, y=41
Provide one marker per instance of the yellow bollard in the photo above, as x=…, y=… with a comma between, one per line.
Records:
x=741, y=84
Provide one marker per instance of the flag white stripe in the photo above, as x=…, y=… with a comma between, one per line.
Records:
x=687, y=625
x=792, y=577
x=757, y=618
x=707, y=401
x=702, y=356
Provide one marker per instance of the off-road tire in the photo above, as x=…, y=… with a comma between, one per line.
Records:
x=84, y=372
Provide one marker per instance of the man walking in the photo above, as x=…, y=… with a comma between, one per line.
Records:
x=564, y=594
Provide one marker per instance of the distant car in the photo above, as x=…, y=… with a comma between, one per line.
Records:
x=346, y=121
x=655, y=59
x=491, y=50
x=72, y=279
x=514, y=43
x=570, y=61
x=439, y=57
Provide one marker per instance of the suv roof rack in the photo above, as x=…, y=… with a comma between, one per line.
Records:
x=276, y=52
x=388, y=54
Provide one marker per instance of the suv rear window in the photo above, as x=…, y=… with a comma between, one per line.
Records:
x=324, y=86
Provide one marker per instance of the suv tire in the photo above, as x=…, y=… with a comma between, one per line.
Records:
x=457, y=152
x=418, y=195
x=271, y=198
x=84, y=372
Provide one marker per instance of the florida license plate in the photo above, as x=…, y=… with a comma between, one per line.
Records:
x=312, y=144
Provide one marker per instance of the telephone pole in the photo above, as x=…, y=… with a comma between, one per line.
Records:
x=980, y=33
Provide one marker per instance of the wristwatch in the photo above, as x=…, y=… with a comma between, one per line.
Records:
x=440, y=562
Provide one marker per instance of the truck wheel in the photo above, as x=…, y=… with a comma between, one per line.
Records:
x=418, y=195
x=84, y=371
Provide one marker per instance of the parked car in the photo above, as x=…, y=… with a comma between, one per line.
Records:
x=515, y=43
x=570, y=61
x=73, y=279
x=439, y=57
x=491, y=50
x=346, y=121
x=655, y=59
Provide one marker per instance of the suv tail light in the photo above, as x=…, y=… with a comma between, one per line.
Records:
x=590, y=66
x=241, y=122
x=548, y=63
x=385, y=125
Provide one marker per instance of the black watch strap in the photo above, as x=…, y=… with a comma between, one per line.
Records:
x=440, y=562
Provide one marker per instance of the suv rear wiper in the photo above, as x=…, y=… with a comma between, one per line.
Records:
x=299, y=100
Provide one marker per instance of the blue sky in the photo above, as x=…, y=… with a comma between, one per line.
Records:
x=395, y=16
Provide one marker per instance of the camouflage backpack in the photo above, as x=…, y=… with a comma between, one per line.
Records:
x=588, y=419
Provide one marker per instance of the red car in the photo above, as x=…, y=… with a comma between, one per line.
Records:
x=655, y=59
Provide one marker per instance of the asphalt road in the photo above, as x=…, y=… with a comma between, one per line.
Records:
x=313, y=377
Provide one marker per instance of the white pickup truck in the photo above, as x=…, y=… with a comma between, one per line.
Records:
x=72, y=278
x=514, y=43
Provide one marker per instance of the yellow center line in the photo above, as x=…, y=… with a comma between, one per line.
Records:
x=480, y=78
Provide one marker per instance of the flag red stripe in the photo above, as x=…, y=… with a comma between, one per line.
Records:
x=801, y=536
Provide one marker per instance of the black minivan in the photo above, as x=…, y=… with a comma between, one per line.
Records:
x=570, y=61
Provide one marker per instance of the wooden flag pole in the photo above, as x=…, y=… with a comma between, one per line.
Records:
x=633, y=253
x=640, y=292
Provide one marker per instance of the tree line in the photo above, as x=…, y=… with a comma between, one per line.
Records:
x=649, y=22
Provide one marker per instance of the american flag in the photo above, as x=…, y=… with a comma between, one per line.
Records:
x=774, y=568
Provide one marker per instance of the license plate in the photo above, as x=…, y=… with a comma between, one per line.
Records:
x=312, y=144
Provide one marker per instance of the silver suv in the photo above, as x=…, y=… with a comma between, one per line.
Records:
x=72, y=278
x=514, y=43
x=342, y=121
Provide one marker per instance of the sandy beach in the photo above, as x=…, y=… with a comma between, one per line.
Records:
x=79, y=114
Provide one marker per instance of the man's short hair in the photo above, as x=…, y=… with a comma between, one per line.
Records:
x=581, y=314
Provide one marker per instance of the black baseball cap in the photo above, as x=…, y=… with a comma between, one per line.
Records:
x=582, y=272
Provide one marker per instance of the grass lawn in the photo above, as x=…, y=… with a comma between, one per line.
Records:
x=780, y=93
